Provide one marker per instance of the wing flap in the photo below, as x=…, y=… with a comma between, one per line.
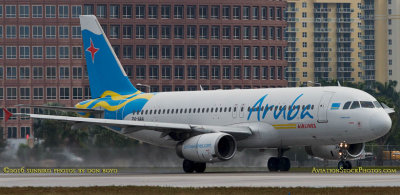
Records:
x=65, y=109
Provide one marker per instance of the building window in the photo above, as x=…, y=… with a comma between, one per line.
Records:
x=166, y=72
x=25, y=93
x=114, y=31
x=304, y=14
x=215, y=12
x=64, y=52
x=37, y=72
x=246, y=32
x=390, y=72
x=226, y=52
x=246, y=52
x=191, y=72
x=37, y=32
x=179, y=72
x=246, y=73
x=165, y=12
x=50, y=52
x=165, y=32
x=204, y=72
x=64, y=72
x=63, y=32
x=153, y=52
x=11, y=32
x=236, y=52
x=51, y=73
x=12, y=132
x=203, y=11
x=204, y=52
x=255, y=13
x=246, y=12
x=127, y=32
x=255, y=31
x=140, y=11
x=191, y=12
x=191, y=52
x=11, y=11
x=191, y=32
x=153, y=11
x=237, y=72
x=166, y=52
x=215, y=52
x=178, y=11
x=63, y=11
x=50, y=32
x=140, y=72
x=64, y=93
x=236, y=12
x=226, y=32
x=11, y=93
x=114, y=11
x=140, y=31
x=11, y=52
x=24, y=32
x=77, y=73
x=203, y=34
x=50, y=11
x=77, y=93
x=87, y=92
x=272, y=73
x=215, y=32
x=37, y=93
x=256, y=53
x=236, y=32
x=178, y=32
x=24, y=11
x=256, y=72
x=304, y=74
x=24, y=52
x=37, y=52
x=153, y=72
x=178, y=52
x=1, y=97
x=226, y=12
x=304, y=4
x=1, y=73
x=76, y=11
x=226, y=72
x=264, y=73
x=127, y=53
x=101, y=11
x=76, y=52
x=140, y=51
x=215, y=72
x=24, y=73
x=11, y=72
x=25, y=131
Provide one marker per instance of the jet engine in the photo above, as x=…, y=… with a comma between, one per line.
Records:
x=334, y=152
x=211, y=147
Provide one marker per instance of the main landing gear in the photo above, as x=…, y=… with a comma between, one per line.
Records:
x=343, y=163
x=279, y=163
x=190, y=166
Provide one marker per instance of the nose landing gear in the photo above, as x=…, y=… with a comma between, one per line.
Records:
x=343, y=163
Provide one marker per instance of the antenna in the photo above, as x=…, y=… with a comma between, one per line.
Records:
x=338, y=83
x=201, y=88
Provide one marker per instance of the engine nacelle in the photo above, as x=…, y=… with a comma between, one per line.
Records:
x=331, y=152
x=211, y=147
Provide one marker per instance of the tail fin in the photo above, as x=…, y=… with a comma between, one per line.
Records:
x=104, y=69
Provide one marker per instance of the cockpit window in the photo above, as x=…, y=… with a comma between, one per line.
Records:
x=346, y=105
x=377, y=104
x=355, y=105
x=366, y=104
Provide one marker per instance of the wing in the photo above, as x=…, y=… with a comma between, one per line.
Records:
x=239, y=132
x=65, y=109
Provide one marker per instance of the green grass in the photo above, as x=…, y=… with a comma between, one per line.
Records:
x=206, y=191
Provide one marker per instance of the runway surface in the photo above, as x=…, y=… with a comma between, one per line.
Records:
x=206, y=180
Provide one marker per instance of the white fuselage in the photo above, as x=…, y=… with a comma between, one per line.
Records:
x=315, y=116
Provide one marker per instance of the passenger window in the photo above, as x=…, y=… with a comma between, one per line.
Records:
x=346, y=105
x=146, y=112
x=226, y=108
x=230, y=109
x=377, y=104
x=207, y=110
x=234, y=109
x=167, y=111
x=366, y=104
x=159, y=111
x=355, y=105
x=312, y=107
x=220, y=109
x=194, y=110
x=142, y=112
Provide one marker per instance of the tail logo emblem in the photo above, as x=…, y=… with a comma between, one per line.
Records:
x=92, y=50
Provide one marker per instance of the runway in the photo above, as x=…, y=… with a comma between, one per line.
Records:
x=205, y=180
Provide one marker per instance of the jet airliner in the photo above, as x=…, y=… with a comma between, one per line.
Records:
x=211, y=126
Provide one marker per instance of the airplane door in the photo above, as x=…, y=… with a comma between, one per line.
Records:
x=323, y=107
x=234, y=111
x=241, y=111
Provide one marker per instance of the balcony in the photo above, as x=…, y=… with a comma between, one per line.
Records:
x=367, y=7
x=322, y=49
x=344, y=10
x=367, y=27
x=344, y=78
x=368, y=57
x=322, y=39
x=322, y=30
x=322, y=20
x=368, y=67
x=292, y=69
x=345, y=69
x=368, y=47
x=292, y=10
x=319, y=79
x=293, y=79
x=344, y=20
x=322, y=69
x=344, y=50
x=291, y=39
x=291, y=49
x=292, y=59
x=322, y=59
x=345, y=59
x=367, y=17
x=367, y=37
x=345, y=40
x=291, y=29
x=344, y=30
x=292, y=20
x=369, y=77
x=322, y=10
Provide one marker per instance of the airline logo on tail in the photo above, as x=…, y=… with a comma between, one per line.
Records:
x=92, y=50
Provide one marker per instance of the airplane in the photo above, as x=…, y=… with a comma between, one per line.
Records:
x=210, y=126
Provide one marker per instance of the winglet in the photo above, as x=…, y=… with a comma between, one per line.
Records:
x=7, y=114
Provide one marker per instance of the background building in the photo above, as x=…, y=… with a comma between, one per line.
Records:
x=336, y=39
x=166, y=44
x=394, y=41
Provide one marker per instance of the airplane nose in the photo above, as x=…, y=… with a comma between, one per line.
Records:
x=380, y=123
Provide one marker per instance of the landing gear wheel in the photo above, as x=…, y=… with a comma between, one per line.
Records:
x=347, y=164
x=284, y=164
x=273, y=164
x=199, y=167
x=341, y=165
x=188, y=166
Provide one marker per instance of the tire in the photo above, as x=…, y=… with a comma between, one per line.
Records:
x=284, y=164
x=273, y=164
x=341, y=165
x=200, y=167
x=348, y=165
x=188, y=166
